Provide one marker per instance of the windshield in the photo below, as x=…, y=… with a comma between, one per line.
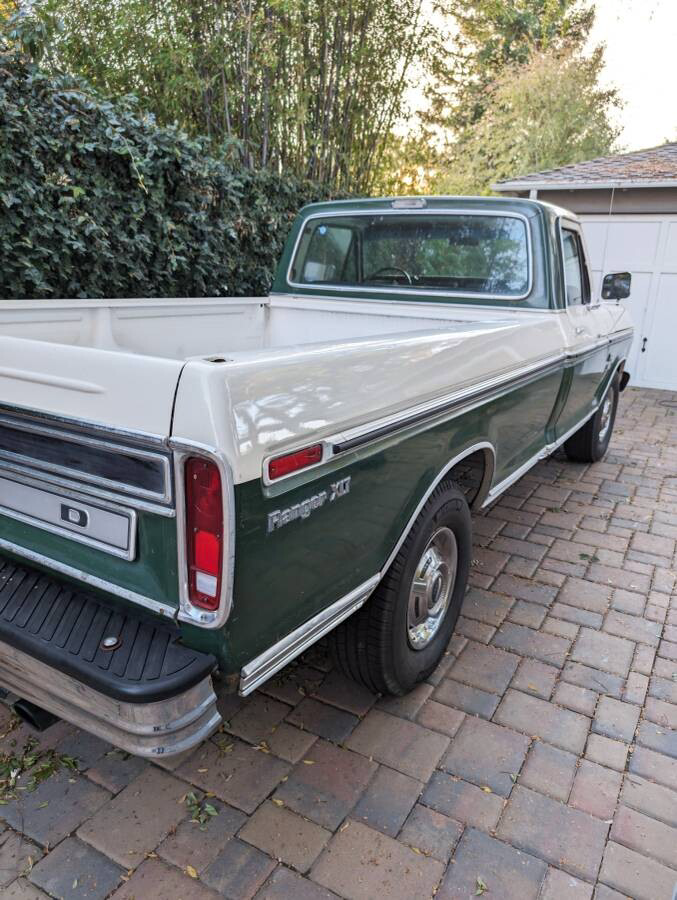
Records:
x=453, y=253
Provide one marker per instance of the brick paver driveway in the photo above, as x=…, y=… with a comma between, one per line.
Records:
x=540, y=760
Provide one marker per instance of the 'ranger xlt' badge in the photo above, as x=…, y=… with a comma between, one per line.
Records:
x=302, y=510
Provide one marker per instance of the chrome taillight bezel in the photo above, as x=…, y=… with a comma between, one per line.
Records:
x=188, y=611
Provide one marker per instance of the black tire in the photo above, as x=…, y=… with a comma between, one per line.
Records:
x=373, y=645
x=590, y=442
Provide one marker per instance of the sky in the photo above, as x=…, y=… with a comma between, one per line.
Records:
x=641, y=61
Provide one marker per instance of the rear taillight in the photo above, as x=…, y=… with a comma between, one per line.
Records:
x=204, y=532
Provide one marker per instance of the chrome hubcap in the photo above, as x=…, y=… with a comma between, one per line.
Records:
x=431, y=588
x=605, y=418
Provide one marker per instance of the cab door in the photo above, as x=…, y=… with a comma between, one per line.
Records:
x=586, y=324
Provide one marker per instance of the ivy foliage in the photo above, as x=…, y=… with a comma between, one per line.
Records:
x=97, y=201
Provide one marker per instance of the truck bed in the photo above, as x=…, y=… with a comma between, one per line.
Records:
x=248, y=374
x=178, y=329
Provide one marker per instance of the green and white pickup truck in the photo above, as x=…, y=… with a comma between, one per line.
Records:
x=193, y=489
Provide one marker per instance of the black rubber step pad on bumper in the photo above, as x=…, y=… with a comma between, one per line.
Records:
x=64, y=627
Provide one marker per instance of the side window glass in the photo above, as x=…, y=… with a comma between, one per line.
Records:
x=573, y=276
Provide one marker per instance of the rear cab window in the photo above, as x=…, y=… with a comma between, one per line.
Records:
x=451, y=253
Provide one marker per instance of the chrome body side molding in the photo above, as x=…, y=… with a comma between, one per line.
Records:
x=276, y=657
x=460, y=401
x=547, y=451
x=152, y=730
x=447, y=407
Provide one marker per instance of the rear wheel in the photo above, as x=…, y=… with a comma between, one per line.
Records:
x=591, y=442
x=399, y=635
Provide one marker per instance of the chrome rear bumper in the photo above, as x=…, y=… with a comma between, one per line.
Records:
x=161, y=728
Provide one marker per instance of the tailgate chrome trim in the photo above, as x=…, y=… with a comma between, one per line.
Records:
x=25, y=470
x=159, y=729
x=79, y=576
x=99, y=462
x=31, y=506
x=84, y=426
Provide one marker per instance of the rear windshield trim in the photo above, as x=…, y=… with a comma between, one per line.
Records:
x=413, y=292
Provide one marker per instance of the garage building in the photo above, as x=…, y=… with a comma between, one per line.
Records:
x=628, y=206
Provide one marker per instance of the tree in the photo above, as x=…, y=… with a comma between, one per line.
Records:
x=309, y=87
x=494, y=104
x=547, y=112
x=488, y=37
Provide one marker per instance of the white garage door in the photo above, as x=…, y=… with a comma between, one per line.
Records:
x=647, y=247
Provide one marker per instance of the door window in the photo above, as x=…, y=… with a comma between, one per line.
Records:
x=575, y=273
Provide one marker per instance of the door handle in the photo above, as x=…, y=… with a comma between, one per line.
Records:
x=643, y=345
x=579, y=330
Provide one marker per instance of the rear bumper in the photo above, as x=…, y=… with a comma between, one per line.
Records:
x=125, y=677
x=155, y=729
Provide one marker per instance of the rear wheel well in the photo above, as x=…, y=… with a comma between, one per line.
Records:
x=471, y=472
x=397, y=638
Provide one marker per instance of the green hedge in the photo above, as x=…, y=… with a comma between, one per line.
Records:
x=97, y=201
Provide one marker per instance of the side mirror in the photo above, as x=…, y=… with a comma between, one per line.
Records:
x=616, y=286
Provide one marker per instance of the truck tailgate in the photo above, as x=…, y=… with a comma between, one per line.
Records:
x=86, y=480
x=121, y=390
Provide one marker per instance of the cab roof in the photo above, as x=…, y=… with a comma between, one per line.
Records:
x=524, y=206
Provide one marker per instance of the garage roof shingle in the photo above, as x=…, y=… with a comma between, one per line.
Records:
x=658, y=164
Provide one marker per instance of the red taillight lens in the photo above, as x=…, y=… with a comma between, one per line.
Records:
x=204, y=532
x=291, y=462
